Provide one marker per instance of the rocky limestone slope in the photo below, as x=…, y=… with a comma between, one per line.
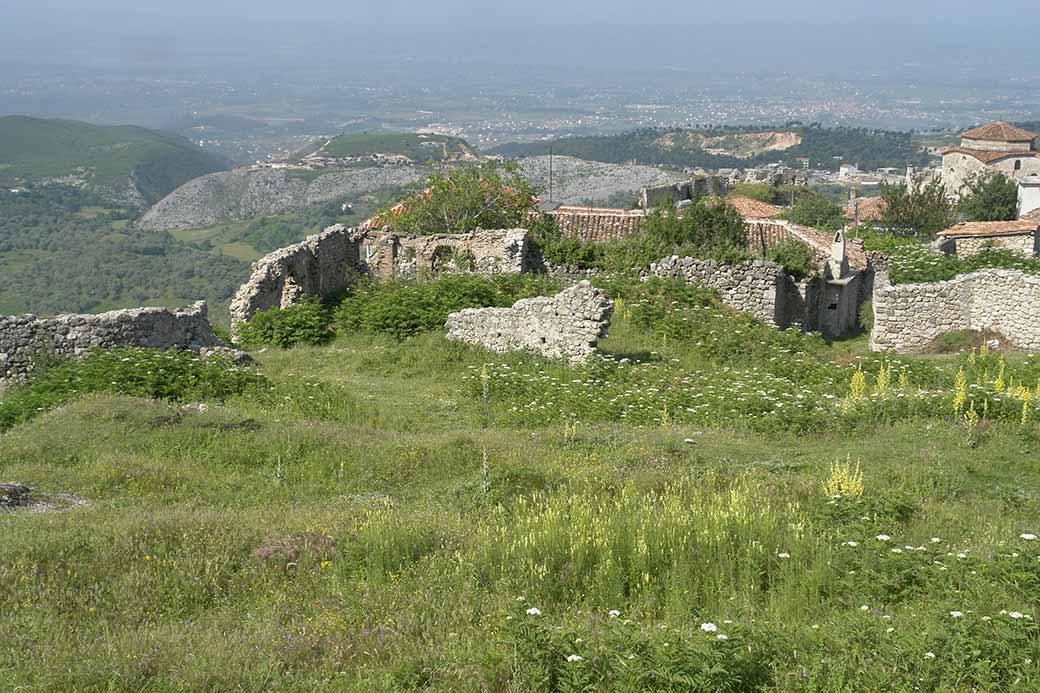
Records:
x=576, y=180
x=247, y=193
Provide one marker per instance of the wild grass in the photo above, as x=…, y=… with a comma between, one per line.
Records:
x=334, y=528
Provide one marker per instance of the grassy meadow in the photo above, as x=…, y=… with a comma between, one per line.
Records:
x=713, y=506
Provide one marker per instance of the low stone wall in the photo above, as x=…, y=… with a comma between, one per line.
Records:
x=23, y=337
x=908, y=317
x=567, y=325
x=756, y=287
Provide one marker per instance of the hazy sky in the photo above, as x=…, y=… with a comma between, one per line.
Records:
x=781, y=35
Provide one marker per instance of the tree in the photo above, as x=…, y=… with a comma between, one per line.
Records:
x=699, y=226
x=815, y=210
x=488, y=196
x=921, y=210
x=989, y=196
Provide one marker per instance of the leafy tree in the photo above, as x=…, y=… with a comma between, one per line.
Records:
x=698, y=227
x=815, y=210
x=921, y=210
x=488, y=196
x=989, y=196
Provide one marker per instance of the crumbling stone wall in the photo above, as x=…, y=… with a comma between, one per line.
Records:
x=23, y=337
x=388, y=256
x=908, y=317
x=332, y=260
x=321, y=265
x=967, y=246
x=669, y=194
x=566, y=326
x=756, y=287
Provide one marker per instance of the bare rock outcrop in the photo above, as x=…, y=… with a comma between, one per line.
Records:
x=565, y=326
x=14, y=496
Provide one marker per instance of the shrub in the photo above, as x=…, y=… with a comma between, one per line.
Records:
x=915, y=263
x=172, y=375
x=795, y=257
x=403, y=309
x=817, y=211
x=307, y=322
x=866, y=315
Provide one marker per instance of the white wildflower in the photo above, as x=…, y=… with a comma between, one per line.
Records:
x=709, y=627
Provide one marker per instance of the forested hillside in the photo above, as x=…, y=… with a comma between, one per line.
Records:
x=826, y=148
x=124, y=163
x=65, y=250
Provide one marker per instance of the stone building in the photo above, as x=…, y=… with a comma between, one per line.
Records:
x=969, y=237
x=997, y=146
x=1028, y=196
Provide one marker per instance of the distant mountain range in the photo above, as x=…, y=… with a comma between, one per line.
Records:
x=128, y=165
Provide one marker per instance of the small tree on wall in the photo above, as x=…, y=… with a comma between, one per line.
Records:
x=989, y=196
x=922, y=209
x=488, y=196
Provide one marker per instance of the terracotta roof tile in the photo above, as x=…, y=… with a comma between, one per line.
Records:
x=999, y=131
x=991, y=228
x=750, y=208
x=989, y=157
x=870, y=209
x=598, y=223
x=1032, y=216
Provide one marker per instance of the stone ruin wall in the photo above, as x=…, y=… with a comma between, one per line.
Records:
x=565, y=326
x=321, y=265
x=756, y=287
x=390, y=256
x=332, y=260
x=669, y=194
x=24, y=337
x=908, y=317
x=967, y=246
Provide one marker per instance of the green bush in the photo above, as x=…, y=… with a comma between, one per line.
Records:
x=866, y=315
x=171, y=375
x=915, y=263
x=403, y=309
x=307, y=322
x=795, y=257
x=702, y=230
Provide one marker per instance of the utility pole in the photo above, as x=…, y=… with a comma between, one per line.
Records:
x=550, y=175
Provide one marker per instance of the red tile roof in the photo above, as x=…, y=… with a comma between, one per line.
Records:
x=870, y=209
x=598, y=223
x=999, y=131
x=991, y=228
x=1032, y=216
x=750, y=208
x=987, y=157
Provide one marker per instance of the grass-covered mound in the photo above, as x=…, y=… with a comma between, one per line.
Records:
x=394, y=514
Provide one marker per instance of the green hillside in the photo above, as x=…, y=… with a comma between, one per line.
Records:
x=104, y=158
x=417, y=147
x=826, y=148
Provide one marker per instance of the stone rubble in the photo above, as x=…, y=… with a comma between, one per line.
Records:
x=14, y=496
